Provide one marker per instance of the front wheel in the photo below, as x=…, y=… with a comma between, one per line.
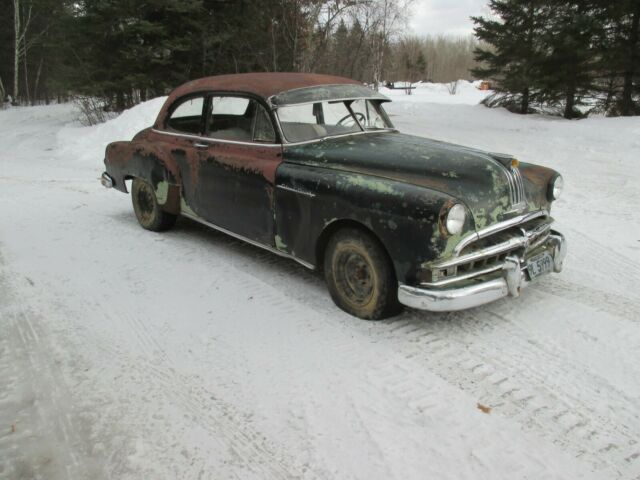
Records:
x=148, y=212
x=360, y=275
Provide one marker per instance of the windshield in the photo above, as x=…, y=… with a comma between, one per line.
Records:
x=311, y=121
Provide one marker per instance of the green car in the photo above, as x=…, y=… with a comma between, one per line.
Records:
x=310, y=167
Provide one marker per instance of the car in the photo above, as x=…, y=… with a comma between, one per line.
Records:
x=311, y=168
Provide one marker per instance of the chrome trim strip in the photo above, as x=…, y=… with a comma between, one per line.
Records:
x=491, y=251
x=316, y=140
x=291, y=189
x=211, y=139
x=485, y=232
x=195, y=218
x=275, y=106
x=466, y=276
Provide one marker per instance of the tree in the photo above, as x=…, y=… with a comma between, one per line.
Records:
x=21, y=19
x=567, y=71
x=513, y=52
x=620, y=51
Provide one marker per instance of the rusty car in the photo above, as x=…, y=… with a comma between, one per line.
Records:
x=310, y=167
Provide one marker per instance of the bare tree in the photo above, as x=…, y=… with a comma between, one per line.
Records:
x=2, y=93
x=21, y=21
x=323, y=17
x=446, y=58
x=386, y=18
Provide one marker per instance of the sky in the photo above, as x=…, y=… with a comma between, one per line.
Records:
x=445, y=16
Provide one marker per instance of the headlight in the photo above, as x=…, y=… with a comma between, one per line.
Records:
x=555, y=188
x=455, y=219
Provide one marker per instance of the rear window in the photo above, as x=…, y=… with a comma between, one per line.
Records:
x=187, y=116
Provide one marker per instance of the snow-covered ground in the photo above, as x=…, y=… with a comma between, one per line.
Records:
x=126, y=354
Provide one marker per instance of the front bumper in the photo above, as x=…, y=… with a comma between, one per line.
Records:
x=513, y=278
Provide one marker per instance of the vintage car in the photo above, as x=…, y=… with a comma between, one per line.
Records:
x=311, y=168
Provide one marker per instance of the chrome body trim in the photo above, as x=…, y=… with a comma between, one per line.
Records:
x=210, y=140
x=513, y=280
x=516, y=189
x=480, y=254
x=295, y=190
x=269, y=248
x=464, y=276
x=106, y=180
x=342, y=135
x=275, y=106
x=269, y=145
x=491, y=229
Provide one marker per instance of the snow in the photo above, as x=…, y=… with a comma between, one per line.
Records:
x=128, y=354
x=467, y=93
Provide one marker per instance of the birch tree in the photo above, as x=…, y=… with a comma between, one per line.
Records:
x=21, y=21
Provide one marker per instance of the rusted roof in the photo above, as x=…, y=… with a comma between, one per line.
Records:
x=265, y=84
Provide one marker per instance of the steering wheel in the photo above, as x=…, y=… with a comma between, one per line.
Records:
x=359, y=116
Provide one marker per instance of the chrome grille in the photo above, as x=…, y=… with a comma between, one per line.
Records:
x=488, y=254
x=516, y=188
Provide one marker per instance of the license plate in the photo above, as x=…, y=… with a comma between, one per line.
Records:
x=539, y=265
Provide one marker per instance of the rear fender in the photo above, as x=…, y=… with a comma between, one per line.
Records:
x=128, y=160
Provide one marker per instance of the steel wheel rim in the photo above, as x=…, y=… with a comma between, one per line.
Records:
x=355, y=274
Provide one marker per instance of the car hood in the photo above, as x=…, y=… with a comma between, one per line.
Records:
x=476, y=178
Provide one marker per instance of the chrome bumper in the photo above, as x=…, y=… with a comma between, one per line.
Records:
x=106, y=180
x=514, y=279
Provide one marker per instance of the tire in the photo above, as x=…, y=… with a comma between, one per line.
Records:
x=145, y=205
x=360, y=275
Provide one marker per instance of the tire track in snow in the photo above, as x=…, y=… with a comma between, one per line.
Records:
x=44, y=441
x=511, y=373
x=224, y=423
x=506, y=377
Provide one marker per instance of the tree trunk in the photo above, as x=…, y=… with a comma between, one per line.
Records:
x=26, y=77
x=16, y=51
x=570, y=101
x=524, y=105
x=627, y=91
x=35, y=87
x=610, y=93
x=120, y=102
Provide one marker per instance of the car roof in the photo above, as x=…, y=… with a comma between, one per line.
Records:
x=276, y=88
x=262, y=84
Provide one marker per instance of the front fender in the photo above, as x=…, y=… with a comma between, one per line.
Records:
x=404, y=217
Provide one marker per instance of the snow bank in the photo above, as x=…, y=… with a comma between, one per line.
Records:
x=87, y=144
x=467, y=93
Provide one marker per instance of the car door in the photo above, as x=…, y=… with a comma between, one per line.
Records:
x=181, y=134
x=238, y=159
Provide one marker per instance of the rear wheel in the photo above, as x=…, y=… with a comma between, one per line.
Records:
x=145, y=204
x=360, y=275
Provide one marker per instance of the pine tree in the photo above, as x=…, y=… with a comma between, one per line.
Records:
x=568, y=70
x=512, y=58
x=621, y=54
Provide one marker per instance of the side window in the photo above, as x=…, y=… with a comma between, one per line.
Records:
x=240, y=119
x=263, y=129
x=187, y=116
x=230, y=118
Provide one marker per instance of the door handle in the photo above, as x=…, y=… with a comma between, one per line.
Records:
x=201, y=145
